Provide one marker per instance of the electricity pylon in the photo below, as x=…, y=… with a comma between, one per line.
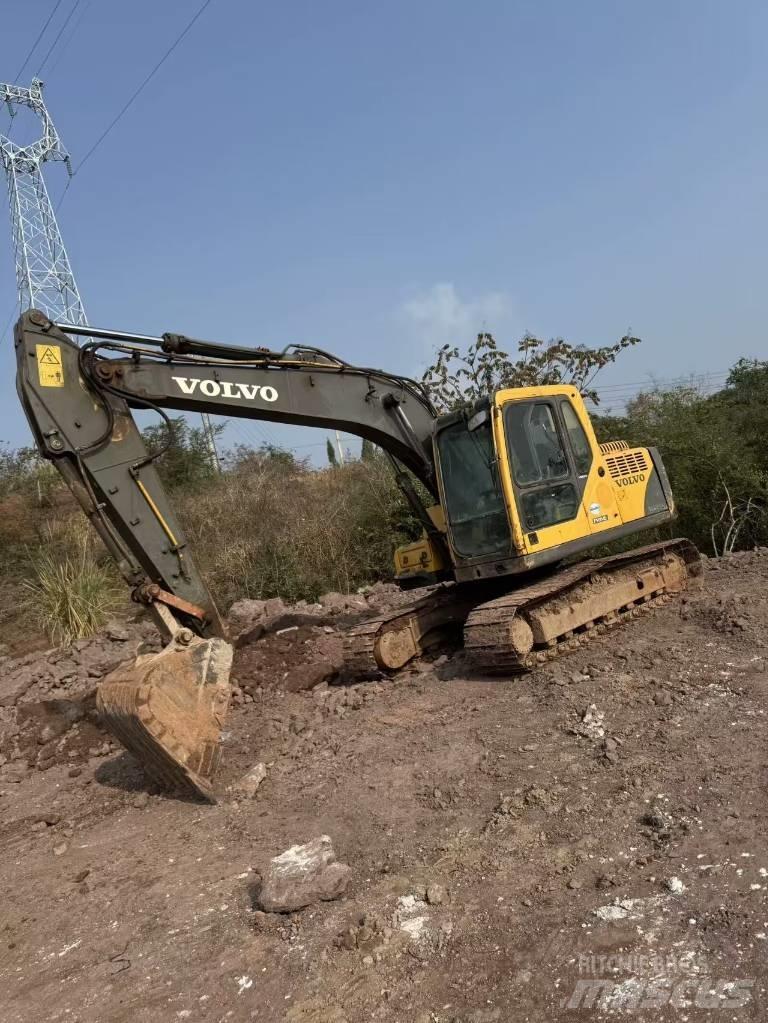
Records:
x=44, y=277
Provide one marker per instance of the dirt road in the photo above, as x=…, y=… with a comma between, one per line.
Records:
x=586, y=842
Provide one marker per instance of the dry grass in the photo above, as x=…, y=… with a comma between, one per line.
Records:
x=71, y=594
x=272, y=530
x=269, y=527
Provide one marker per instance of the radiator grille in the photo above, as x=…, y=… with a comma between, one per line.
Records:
x=614, y=445
x=626, y=464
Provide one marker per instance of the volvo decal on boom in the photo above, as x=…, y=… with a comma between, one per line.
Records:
x=517, y=484
x=215, y=389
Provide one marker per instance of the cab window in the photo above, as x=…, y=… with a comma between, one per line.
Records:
x=582, y=452
x=535, y=447
x=546, y=506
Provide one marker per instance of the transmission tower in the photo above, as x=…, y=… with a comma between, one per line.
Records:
x=44, y=278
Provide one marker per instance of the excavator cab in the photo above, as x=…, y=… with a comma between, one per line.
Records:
x=524, y=483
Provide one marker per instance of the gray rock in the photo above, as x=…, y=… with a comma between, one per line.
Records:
x=14, y=685
x=301, y=876
x=14, y=773
x=435, y=894
x=274, y=606
x=117, y=632
x=591, y=725
x=245, y=613
x=248, y=785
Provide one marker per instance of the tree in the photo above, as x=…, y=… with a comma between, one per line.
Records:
x=714, y=453
x=23, y=471
x=331, y=452
x=187, y=460
x=458, y=379
x=244, y=458
x=367, y=451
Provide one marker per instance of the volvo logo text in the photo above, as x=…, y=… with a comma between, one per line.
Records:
x=627, y=481
x=225, y=389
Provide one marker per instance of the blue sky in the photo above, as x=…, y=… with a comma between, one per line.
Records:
x=380, y=178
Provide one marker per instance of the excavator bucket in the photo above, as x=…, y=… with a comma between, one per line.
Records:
x=168, y=709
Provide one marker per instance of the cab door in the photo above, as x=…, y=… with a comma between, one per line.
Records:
x=552, y=466
x=598, y=496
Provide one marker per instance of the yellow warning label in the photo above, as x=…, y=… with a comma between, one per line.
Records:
x=49, y=366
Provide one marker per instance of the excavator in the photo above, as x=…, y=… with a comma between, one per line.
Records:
x=512, y=494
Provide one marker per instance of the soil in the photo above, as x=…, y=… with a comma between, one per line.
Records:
x=588, y=841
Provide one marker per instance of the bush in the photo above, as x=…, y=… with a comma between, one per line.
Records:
x=713, y=447
x=71, y=594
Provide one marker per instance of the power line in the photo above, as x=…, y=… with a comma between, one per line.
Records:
x=40, y=35
x=663, y=380
x=70, y=37
x=60, y=33
x=61, y=197
x=143, y=85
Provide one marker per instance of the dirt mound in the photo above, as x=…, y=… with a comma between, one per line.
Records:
x=730, y=609
x=573, y=842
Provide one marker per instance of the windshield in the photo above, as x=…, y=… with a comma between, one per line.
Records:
x=474, y=504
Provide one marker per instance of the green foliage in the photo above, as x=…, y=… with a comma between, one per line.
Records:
x=714, y=450
x=243, y=457
x=458, y=379
x=187, y=462
x=330, y=451
x=367, y=450
x=23, y=471
x=71, y=594
x=31, y=491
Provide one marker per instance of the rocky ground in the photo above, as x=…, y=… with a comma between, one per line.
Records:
x=585, y=842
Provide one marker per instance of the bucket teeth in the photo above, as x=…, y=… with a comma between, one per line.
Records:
x=168, y=709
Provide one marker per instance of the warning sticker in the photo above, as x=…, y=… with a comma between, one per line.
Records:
x=49, y=366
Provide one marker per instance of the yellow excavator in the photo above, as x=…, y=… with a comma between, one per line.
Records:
x=519, y=491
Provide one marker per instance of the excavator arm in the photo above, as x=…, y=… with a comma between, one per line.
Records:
x=78, y=399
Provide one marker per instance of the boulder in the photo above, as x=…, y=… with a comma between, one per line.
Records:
x=274, y=606
x=14, y=685
x=245, y=613
x=301, y=876
x=249, y=784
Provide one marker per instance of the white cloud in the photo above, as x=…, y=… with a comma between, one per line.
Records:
x=439, y=315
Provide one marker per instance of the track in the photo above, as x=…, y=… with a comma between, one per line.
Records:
x=534, y=623
x=391, y=639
